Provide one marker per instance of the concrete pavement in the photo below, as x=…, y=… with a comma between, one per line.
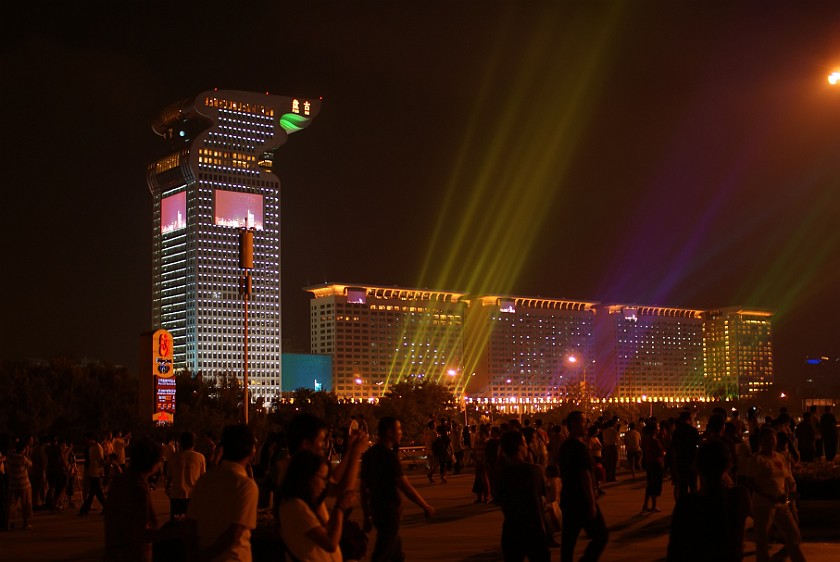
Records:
x=461, y=531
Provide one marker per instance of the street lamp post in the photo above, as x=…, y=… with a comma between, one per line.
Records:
x=573, y=360
x=246, y=263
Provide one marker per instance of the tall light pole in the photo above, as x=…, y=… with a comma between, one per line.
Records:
x=573, y=360
x=246, y=263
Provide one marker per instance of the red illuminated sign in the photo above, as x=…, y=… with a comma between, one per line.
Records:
x=164, y=377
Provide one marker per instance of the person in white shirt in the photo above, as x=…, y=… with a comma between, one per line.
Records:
x=94, y=472
x=223, y=505
x=184, y=470
x=772, y=484
x=309, y=530
x=633, y=449
x=120, y=443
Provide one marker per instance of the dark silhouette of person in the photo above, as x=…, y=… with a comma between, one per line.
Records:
x=828, y=430
x=684, y=442
x=382, y=480
x=577, y=498
x=806, y=439
x=709, y=524
x=520, y=493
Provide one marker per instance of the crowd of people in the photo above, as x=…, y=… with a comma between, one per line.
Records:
x=547, y=480
x=722, y=476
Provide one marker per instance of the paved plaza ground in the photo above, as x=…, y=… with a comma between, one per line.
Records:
x=461, y=531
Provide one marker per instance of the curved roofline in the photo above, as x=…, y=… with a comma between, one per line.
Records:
x=301, y=110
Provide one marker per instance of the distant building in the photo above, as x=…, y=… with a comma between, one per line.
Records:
x=738, y=352
x=379, y=336
x=524, y=354
x=215, y=180
x=528, y=349
x=649, y=353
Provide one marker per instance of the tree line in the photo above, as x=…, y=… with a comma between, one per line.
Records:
x=68, y=397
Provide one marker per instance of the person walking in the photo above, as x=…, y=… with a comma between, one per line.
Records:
x=609, y=435
x=442, y=451
x=633, y=449
x=577, y=498
x=654, y=454
x=94, y=473
x=20, y=487
x=481, y=483
x=56, y=474
x=828, y=430
x=382, y=482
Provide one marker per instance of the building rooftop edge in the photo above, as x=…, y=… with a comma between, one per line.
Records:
x=466, y=296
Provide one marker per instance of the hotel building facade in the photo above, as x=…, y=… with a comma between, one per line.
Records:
x=215, y=181
x=379, y=336
x=527, y=353
x=649, y=353
x=528, y=350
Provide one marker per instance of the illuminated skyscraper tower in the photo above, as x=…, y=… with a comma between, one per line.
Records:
x=217, y=179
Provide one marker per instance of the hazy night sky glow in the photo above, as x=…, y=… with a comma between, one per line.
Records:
x=682, y=154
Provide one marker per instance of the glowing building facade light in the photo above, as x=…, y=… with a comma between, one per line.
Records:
x=527, y=352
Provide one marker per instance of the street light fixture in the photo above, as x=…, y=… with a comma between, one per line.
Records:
x=834, y=78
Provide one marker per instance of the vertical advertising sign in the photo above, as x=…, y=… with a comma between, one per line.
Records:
x=163, y=374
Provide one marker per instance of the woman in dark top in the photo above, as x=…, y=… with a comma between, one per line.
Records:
x=709, y=524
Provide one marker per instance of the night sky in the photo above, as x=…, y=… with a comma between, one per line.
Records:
x=673, y=153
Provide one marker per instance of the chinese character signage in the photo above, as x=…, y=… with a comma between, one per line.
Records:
x=296, y=106
x=164, y=377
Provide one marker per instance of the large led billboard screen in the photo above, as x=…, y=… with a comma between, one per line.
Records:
x=238, y=210
x=173, y=213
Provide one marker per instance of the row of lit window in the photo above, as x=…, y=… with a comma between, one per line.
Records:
x=239, y=106
x=167, y=163
x=243, y=120
x=256, y=135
